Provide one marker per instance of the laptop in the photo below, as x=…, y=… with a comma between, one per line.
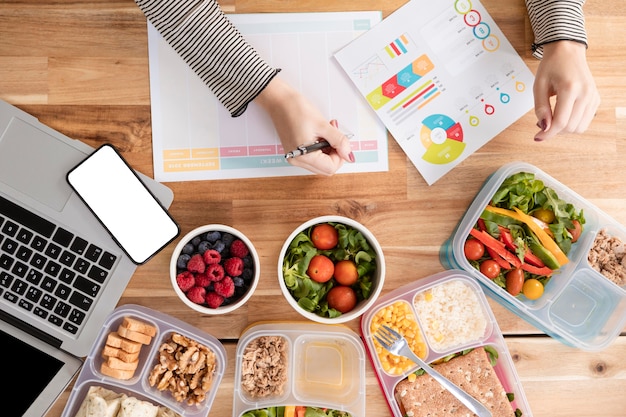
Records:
x=61, y=274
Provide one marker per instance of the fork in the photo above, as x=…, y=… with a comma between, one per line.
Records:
x=395, y=343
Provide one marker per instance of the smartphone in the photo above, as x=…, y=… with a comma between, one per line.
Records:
x=127, y=209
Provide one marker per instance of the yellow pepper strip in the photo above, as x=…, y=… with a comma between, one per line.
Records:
x=544, y=238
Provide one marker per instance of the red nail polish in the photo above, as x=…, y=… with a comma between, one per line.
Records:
x=351, y=156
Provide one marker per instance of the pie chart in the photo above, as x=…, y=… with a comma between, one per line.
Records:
x=443, y=139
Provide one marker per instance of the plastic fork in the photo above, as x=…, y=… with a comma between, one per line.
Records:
x=395, y=343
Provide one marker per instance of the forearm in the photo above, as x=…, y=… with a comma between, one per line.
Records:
x=214, y=49
x=556, y=20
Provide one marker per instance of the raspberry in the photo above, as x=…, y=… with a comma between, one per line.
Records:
x=214, y=300
x=215, y=272
x=211, y=256
x=185, y=280
x=239, y=249
x=196, y=264
x=203, y=280
x=233, y=266
x=197, y=295
x=225, y=287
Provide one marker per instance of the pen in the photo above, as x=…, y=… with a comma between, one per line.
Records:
x=303, y=150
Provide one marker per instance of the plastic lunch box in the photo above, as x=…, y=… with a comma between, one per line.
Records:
x=579, y=307
x=138, y=386
x=325, y=368
x=491, y=336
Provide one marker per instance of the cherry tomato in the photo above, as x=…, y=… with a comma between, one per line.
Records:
x=490, y=268
x=514, y=281
x=545, y=215
x=341, y=298
x=474, y=249
x=532, y=289
x=320, y=268
x=324, y=236
x=346, y=272
x=576, y=231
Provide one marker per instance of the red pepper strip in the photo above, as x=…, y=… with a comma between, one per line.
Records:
x=544, y=271
x=529, y=257
x=492, y=253
x=493, y=243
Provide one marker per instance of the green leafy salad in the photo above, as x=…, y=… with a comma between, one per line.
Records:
x=310, y=294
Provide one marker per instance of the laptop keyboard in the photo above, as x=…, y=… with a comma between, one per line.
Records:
x=47, y=270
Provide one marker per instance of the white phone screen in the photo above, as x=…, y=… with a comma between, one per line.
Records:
x=136, y=220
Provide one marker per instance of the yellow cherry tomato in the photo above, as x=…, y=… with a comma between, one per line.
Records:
x=532, y=289
x=545, y=215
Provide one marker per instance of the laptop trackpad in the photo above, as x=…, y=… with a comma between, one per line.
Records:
x=35, y=163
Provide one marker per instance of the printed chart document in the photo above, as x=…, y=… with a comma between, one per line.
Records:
x=195, y=138
x=443, y=79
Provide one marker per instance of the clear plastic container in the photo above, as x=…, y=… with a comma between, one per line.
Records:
x=325, y=367
x=579, y=307
x=487, y=334
x=138, y=386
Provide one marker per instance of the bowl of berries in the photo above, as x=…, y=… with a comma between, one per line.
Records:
x=331, y=269
x=214, y=269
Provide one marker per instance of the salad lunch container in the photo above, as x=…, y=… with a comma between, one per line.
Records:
x=321, y=366
x=439, y=315
x=579, y=307
x=137, y=387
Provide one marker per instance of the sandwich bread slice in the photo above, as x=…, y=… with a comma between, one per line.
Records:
x=472, y=372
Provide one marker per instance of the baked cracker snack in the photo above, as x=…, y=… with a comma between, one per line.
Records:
x=472, y=372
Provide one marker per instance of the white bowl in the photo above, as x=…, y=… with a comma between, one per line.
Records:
x=174, y=269
x=378, y=279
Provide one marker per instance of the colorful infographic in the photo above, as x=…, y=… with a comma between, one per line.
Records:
x=442, y=138
x=443, y=79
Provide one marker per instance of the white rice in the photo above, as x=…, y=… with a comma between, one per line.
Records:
x=450, y=315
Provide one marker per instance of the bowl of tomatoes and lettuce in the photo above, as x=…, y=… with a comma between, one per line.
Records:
x=331, y=269
x=523, y=235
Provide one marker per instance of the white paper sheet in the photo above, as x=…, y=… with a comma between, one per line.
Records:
x=442, y=77
x=195, y=138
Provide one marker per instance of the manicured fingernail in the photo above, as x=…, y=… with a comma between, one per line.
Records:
x=538, y=140
x=351, y=157
x=542, y=124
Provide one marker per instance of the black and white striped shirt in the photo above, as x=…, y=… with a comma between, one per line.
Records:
x=556, y=20
x=215, y=50
x=206, y=39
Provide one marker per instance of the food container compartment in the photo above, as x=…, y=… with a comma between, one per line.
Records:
x=325, y=367
x=579, y=307
x=138, y=385
x=483, y=331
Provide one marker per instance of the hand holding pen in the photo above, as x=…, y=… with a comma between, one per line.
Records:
x=299, y=123
x=320, y=145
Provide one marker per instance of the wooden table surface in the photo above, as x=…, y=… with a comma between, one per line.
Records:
x=82, y=68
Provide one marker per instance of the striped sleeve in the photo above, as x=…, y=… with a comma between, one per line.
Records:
x=556, y=20
x=215, y=50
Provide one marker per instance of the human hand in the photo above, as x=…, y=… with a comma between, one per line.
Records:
x=298, y=122
x=564, y=73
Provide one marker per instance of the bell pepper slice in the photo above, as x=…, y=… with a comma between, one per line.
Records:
x=498, y=247
x=492, y=253
x=529, y=257
x=543, y=237
x=543, y=271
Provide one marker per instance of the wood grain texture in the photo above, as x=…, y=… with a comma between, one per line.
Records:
x=82, y=68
